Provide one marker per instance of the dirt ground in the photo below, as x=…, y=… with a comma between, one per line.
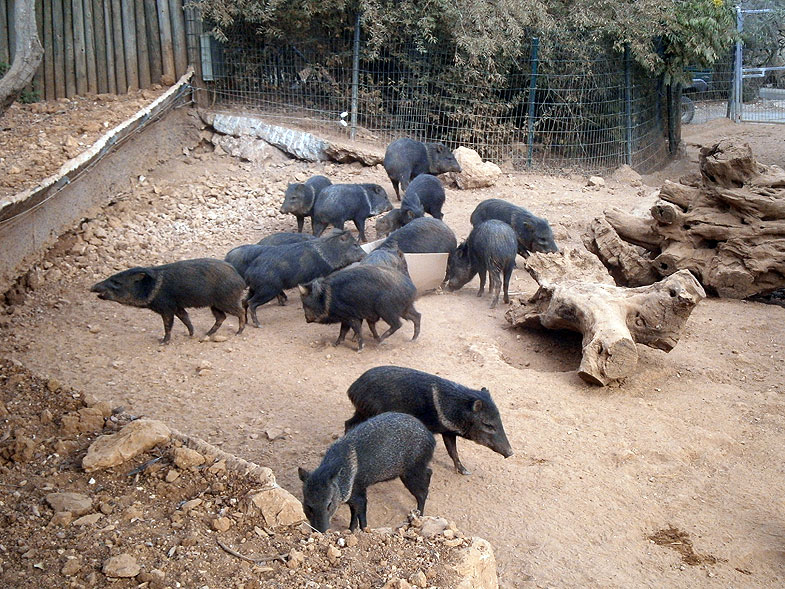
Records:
x=608, y=486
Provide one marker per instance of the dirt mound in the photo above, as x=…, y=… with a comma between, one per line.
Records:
x=164, y=520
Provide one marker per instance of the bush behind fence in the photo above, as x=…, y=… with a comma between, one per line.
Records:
x=550, y=111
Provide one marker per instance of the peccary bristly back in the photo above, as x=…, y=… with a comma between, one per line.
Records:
x=286, y=266
x=534, y=233
x=406, y=158
x=171, y=288
x=389, y=223
x=422, y=236
x=300, y=198
x=242, y=256
x=343, y=202
x=428, y=190
x=491, y=247
x=383, y=448
x=285, y=238
x=389, y=257
x=444, y=406
x=362, y=292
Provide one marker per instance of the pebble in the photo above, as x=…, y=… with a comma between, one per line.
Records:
x=121, y=566
x=71, y=567
x=221, y=524
x=333, y=554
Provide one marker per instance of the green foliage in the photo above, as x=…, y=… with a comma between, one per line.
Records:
x=29, y=96
x=4, y=67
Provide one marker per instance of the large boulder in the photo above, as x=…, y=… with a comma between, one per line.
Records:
x=135, y=438
x=474, y=172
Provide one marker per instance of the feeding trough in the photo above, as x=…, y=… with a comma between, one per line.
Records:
x=427, y=271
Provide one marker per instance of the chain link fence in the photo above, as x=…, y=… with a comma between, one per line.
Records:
x=550, y=110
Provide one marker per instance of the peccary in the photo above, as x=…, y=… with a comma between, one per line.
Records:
x=534, y=233
x=411, y=207
x=300, y=198
x=341, y=202
x=406, y=158
x=383, y=448
x=389, y=223
x=284, y=238
x=362, y=292
x=445, y=407
x=171, y=288
x=285, y=266
x=242, y=256
x=491, y=247
x=428, y=190
x=387, y=257
x=422, y=236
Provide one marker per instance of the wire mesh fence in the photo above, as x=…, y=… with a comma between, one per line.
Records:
x=552, y=110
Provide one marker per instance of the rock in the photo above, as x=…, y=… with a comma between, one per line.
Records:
x=351, y=540
x=91, y=419
x=23, y=449
x=76, y=503
x=167, y=80
x=246, y=148
x=69, y=424
x=135, y=438
x=278, y=507
x=433, y=526
x=273, y=433
x=91, y=127
x=221, y=524
x=189, y=505
x=122, y=566
x=596, y=181
x=626, y=175
x=45, y=417
x=88, y=520
x=65, y=447
x=419, y=579
x=396, y=583
x=474, y=172
x=185, y=458
x=296, y=559
x=477, y=567
x=61, y=518
x=333, y=554
x=71, y=567
x=52, y=385
x=172, y=475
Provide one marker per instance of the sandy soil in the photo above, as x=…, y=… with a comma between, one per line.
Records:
x=692, y=442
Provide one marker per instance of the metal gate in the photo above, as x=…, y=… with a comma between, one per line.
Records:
x=755, y=98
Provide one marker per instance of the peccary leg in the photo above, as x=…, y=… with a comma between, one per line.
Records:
x=258, y=298
x=495, y=287
x=342, y=334
x=411, y=314
x=352, y=421
x=507, y=276
x=452, y=450
x=182, y=315
x=360, y=224
x=219, y=319
x=168, y=323
x=417, y=480
x=358, y=504
x=357, y=326
x=482, y=283
x=318, y=228
x=395, y=324
x=241, y=315
x=372, y=327
x=300, y=223
x=395, y=187
x=282, y=298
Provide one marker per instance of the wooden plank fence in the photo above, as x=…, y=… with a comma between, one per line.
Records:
x=97, y=46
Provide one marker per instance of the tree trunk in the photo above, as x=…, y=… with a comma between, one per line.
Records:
x=575, y=295
x=27, y=57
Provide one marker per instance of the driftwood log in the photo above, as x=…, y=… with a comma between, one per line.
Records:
x=727, y=227
x=578, y=294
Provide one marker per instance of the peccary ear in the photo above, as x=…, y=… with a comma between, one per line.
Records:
x=142, y=283
x=305, y=289
x=477, y=406
x=439, y=148
x=302, y=473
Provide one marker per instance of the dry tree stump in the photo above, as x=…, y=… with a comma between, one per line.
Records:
x=577, y=293
x=727, y=227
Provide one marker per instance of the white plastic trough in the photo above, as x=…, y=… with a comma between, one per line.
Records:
x=426, y=270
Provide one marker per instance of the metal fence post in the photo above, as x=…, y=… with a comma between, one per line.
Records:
x=355, y=77
x=735, y=110
x=532, y=96
x=628, y=101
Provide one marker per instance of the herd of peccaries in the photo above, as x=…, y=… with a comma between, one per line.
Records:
x=397, y=410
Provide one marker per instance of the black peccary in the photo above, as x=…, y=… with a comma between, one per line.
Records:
x=362, y=292
x=422, y=236
x=406, y=158
x=285, y=266
x=171, y=288
x=444, y=406
x=342, y=202
x=491, y=247
x=301, y=196
x=242, y=256
x=387, y=257
x=534, y=233
x=429, y=191
x=383, y=448
x=411, y=207
x=285, y=238
x=389, y=223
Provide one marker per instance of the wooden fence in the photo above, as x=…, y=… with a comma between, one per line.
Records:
x=98, y=46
